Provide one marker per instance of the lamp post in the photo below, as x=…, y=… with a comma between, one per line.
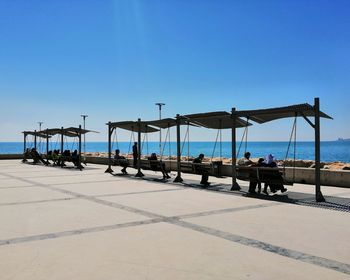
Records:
x=160, y=131
x=84, y=117
x=40, y=123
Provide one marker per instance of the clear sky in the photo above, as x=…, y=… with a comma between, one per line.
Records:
x=113, y=59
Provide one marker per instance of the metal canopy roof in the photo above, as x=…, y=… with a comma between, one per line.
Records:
x=77, y=130
x=36, y=133
x=54, y=131
x=134, y=126
x=169, y=122
x=215, y=120
x=266, y=115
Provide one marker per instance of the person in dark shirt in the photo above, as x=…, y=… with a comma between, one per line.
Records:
x=37, y=157
x=154, y=165
x=199, y=169
x=135, y=154
x=120, y=160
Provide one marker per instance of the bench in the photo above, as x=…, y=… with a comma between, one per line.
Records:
x=268, y=175
x=213, y=168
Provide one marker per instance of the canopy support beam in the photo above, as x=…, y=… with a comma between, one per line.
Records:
x=318, y=193
x=61, y=140
x=308, y=121
x=35, y=139
x=79, y=156
x=47, y=142
x=110, y=131
x=178, y=178
x=235, y=186
x=139, y=173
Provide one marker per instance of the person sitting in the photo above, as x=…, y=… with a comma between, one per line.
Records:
x=154, y=164
x=56, y=157
x=120, y=160
x=26, y=155
x=75, y=158
x=245, y=161
x=37, y=157
x=66, y=156
x=199, y=169
x=270, y=162
x=253, y=180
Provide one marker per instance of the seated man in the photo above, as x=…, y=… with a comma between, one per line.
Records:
x=246, y=161
x=201, y=170
x=75, y=159
x=120, y=160
x=37, y=157
x=154, y=164
x=26, y=155
x=56, y=157
x=66, y=156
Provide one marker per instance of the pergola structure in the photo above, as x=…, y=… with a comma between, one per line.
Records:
x=48, y=133
x=36, y=135
x=266, y=115
x=224, y=120
x=134, y=126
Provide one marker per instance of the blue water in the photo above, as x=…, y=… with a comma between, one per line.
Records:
x=330, y=151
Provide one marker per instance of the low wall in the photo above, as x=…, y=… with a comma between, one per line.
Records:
x=339, y=178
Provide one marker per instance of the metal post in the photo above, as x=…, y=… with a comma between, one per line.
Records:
x=160, y=130
x=178, y=178
x=318, y=193
x=24, y=142
x=139, y=173
x=47, y=142
x=84, y=117
x=61, y=140
x=35, y=139
x=235, y=186
x=110, y=131
x=79, y=156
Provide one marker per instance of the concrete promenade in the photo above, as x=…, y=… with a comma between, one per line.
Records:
x=66, y=224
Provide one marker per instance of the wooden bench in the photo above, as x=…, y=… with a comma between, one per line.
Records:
x=268, y=175
x=213, y=168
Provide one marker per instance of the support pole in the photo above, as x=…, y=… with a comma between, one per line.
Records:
x=139, y=173
x=318, y=193
x=61, y=140
x=79, y=155
x=235, y=186
x=24, y=142
x=47, y=142
x=35, y=139
x=178, y=178
x=110, y=131
x=24, y=147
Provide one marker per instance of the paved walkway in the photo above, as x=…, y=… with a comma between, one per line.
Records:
x=65, y=224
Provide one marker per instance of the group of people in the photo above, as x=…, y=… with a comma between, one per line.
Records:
x=275, y=177
x=153, y=159
x=55, y=156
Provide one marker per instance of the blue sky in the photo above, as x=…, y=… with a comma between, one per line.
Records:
x=114, y=59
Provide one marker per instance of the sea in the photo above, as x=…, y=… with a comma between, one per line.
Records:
x=330, y=150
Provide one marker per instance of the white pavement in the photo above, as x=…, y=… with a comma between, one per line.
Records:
x=66, y=224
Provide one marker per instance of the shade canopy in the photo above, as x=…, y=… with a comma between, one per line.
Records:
x=78, y=130
x=266, y=115
x=169, y=122
x=69, y=132
x=216, y=120
x=141, y=126
x=36, y=133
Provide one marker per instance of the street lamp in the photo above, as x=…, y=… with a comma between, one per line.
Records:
x=84, y=117
x=40, y=123
x=160, y=131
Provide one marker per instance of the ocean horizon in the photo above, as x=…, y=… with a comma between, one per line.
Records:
x=330, y=150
